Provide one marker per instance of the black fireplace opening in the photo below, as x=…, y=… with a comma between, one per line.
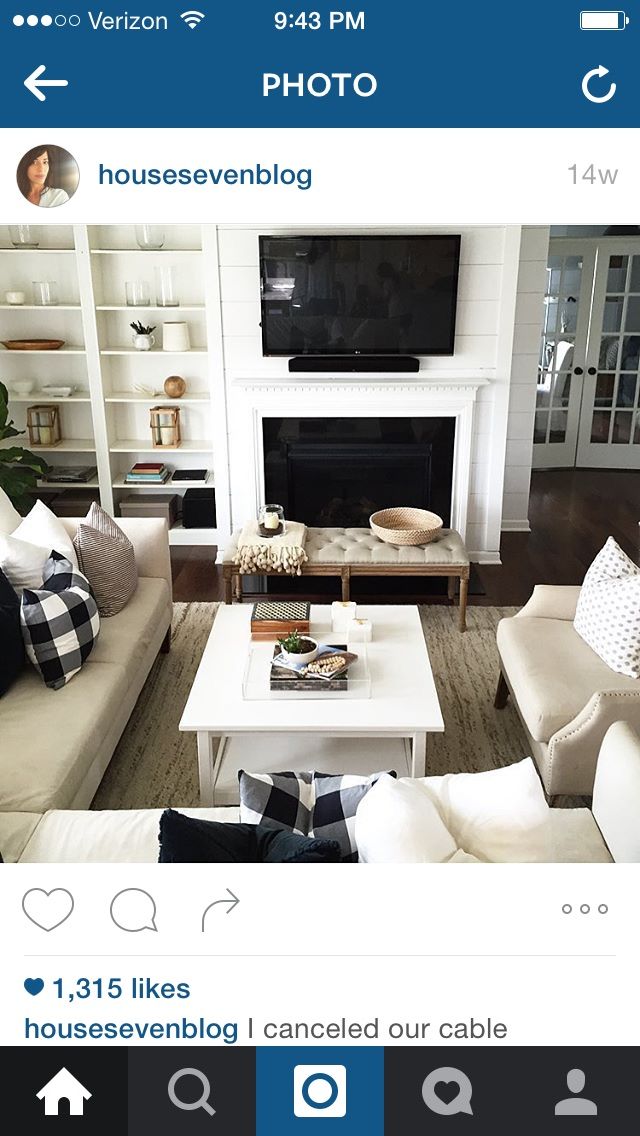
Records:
x=336, y=472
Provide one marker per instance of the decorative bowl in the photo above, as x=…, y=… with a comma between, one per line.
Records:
x=51, y=391
x=32, y=344
x=22, y=386
x=301, y=659
x=406, y=526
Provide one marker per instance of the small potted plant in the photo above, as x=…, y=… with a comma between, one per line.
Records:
x=143, y=338
x=297, y=649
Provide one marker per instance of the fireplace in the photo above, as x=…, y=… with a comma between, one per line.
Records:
x=334, y=472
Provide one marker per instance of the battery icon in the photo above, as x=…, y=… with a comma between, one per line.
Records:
x=603, y=21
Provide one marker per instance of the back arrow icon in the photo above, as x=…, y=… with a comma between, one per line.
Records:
x=33, y=82
x=600, y=72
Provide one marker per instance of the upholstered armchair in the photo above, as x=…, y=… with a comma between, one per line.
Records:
x=566, y=696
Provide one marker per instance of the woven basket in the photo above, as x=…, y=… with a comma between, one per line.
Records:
x=406, y=526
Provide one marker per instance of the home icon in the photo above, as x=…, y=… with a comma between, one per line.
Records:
x=64, y=1086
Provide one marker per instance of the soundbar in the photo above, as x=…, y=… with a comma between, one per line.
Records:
x=341, y=364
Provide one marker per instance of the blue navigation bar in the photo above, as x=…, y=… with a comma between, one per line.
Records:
x=267, y=63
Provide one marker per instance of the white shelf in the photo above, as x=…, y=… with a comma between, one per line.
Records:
x=178, y=535
x=185, y=400
x=146, y=252
x=155, y=353
x=167, y=486
x=144, y=446
x=42, y=396
x=40, y=307
x=25, y=248
x=5, y=352
x=143, y=307
x=68, y=446
x=92, y=484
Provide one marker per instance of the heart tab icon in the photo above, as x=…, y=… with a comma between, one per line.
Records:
x=47, y=909
x=33, y=986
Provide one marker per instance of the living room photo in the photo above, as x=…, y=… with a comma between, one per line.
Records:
x=319, y=545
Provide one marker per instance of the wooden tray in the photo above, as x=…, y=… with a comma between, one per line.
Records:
x=32, y=344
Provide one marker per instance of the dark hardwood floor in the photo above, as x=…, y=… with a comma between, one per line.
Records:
x=572, y=512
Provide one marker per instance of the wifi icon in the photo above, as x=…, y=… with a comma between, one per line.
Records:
x=192, y=19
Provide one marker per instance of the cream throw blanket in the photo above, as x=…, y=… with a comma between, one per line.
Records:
x=284, y=553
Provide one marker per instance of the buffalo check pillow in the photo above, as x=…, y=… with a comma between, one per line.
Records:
x=279, y=800
x=60, y=622
x=320, y=805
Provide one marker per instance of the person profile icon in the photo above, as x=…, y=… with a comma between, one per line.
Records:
x=576, y=1105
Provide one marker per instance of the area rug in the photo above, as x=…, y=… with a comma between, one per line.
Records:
x=155, y=766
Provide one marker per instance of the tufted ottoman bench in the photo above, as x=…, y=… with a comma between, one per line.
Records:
x=358, y=552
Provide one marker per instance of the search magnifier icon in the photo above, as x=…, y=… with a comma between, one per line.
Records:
x=201, y=1102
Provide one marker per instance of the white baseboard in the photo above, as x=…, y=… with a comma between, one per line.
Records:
x=516, y=526
x=484, y=557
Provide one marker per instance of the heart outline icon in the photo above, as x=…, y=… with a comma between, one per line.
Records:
x=58, y=915
x=34, y=986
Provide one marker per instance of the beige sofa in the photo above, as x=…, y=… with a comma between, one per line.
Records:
x=566, y=696
x=609, y=831
x=56, y=744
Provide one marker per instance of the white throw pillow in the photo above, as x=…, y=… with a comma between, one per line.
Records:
x=398, y=823
x=42, y=527
x=22, y=563
x=9, y=517
x=608, y=611
x=500, y=816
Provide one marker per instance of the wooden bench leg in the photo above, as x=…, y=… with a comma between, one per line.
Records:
x=451, y=588
x=345, y=576
x=502, y=693
x=228, y=587
x=464, y=589
x=238, y=587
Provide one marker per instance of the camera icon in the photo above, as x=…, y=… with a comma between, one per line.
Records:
x=320, y=1091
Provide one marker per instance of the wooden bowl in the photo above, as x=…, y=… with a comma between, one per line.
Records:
x=406, y=526
x=32, y=344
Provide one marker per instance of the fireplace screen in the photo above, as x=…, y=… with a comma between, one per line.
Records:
x=335, y=472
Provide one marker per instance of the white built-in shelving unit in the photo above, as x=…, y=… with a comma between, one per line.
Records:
x=106, y=420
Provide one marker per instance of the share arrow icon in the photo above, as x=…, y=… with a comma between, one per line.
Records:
x=33, y=82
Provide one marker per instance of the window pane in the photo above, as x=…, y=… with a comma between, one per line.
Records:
x=622, y=426
x=632, y=322
x=609, y=350
x=604, y=390
x=558, y=430
x=543, y=392
x=564, y=355
x=540, y=428
x=561, y=390
x=551, y=316
x=630, y=353
x=617, y=278
x=635, y=275
x=600, y=426
x=613, y=314
x=626, y=390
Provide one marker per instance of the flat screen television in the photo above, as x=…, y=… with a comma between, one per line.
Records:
x=357, y=296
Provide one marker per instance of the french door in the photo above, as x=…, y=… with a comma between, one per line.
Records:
x=588, y=394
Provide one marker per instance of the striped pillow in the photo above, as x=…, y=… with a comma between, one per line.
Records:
x=107, y=558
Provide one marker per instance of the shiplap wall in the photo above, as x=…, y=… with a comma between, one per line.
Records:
x=485, y=279
x=534, y=251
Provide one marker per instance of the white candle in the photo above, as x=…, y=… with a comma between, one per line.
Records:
x=271, y=521
x=342, y=612
x=359, y=631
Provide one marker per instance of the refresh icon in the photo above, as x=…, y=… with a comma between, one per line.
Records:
x=600, y=72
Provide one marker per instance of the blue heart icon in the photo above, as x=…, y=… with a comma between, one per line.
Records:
x=33, y=985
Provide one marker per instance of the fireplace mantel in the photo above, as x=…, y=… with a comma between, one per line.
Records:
x=424, y=395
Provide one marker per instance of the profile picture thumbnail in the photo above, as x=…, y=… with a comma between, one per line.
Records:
x=47, y=176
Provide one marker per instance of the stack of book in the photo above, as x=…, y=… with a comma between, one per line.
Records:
x=148, y=473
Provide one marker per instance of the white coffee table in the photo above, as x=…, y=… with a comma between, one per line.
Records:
x=360, y=735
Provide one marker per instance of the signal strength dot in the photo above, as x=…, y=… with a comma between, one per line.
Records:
x=192, y=19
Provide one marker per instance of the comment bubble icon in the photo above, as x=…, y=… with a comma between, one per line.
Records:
x=447, y=1092
x=134, y=910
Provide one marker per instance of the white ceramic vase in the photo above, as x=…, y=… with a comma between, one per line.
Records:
x=175, y=337
x=143, y=342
